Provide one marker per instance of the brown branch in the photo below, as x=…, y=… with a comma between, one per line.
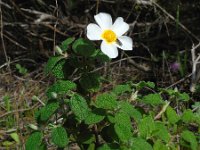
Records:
x=2, y=38
x=19, y=110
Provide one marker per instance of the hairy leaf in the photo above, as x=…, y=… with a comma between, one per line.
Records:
x=79, y=107
x=59, y=137
x=61, y=87
x=34, y=141
x=189, y=137
x=106, y=101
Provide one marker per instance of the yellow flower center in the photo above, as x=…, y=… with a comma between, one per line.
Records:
x=109, y=36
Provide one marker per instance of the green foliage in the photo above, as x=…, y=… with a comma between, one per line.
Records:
x=15, y=137
x=158, y=145
x=59, y=137
x=106, y=101
x=140, y=144
x=83, y=47
x=172, y=116
x=123, y=132
x=161, y=132
x=22, y=70
x=146, y=127
x=187, y=116
x=58, y=70
x=189, y=140
x=152, y=99
x=65, y=44
x=90, y=82
x=47, y=111
x=129, y=109
x=60, y=87
x=109, y=147
x=52, y=63
x=183, y=97
x=94, y=117
x=34, y=142
x=101, y=56
x=79, y=107
x=143, y=84
x=129, y=116
x=120, y=89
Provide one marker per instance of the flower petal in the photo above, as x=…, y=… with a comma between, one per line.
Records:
x=93, y=32
x=104, y=20
x=127, y=43
x=109, y=49
x=120, y=27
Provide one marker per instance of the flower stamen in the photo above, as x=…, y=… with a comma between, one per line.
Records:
x=109, y=36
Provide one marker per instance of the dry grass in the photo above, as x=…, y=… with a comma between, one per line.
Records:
x=30, y=30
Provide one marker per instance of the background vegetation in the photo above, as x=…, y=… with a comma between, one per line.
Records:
x=165, y=33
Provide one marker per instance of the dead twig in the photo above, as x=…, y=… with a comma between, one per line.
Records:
x=195, y=72
x=158, y=116
x=19, y=110
x=2, y=38
x=179, y=81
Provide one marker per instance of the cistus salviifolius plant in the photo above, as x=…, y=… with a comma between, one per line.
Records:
x=79, y=115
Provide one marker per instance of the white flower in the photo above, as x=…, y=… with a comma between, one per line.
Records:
x=111, y=34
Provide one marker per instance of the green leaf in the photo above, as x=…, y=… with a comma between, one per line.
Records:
x=58, y=70
x=140, y=144
x=91, y=146
x=146, y=127
x=90, y=82
x=59, y=137
x=79, y=107
x=161, y=132
x=61, y=87
x=123, y=118
x=65, y=44
x=122, y=126
x=22, y=70
x=108, y=133
x=183, y=97
x=106, y=101
x=130, y=110
x=123, y=132
x=7, y=143
x=94, y=117
x=190, y=138
x=86, y=137
x=101, y=56
x=171, y=115
x=83, y=47
x=143, y=84
x=187, y=116
x=158, y=145
x=109, y=147
x=47, y=111
x=153, y=99
x=51, y=63
x=15, y=137
x=196, y=107
x=34, y=141
x=111, y=118
x=120, y=89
